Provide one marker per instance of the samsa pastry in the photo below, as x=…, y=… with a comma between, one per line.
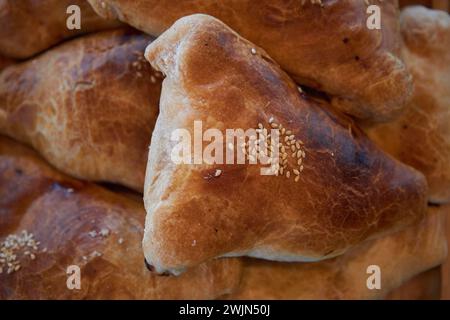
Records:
x=330, y=186
x=50, y=223
x=421, y=136
x=88, y=106
x=29, y=27
x=325, y=44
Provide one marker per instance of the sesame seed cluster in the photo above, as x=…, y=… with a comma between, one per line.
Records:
x=141, y=64
x=103, y=233
x=291, y=151
x=15, y=248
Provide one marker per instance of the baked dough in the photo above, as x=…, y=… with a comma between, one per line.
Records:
x=4, y=62
x=325, y=46
x=425, y=286
x=29, y=27
x=79, y=223
x=348, y=190
x=400, y=256
x=421, y=137
x=88, y=106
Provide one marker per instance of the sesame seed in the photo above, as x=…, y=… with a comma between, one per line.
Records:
x=278, y=165
x=120, y=241
x=104, y=232
x=297, y=178
x=96, y=254
x=253, y=51
x=14, y=248
x=218, y=172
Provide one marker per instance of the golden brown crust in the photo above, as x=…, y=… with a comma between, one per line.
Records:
x=404, y=3
x=88, y=106
x=434, y=4
x=29, y=27
x=425, y=286
x=400, y=256
x=349, y=190
x=327, y=47
x=62, y=214
x=421, y=136
x=4, y=62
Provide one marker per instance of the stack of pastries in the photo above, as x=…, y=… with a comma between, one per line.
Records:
x=88, y=179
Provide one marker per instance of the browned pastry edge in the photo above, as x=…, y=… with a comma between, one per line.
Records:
x=79, y=223
x=425, y=286
x=328, y=46
x=4, y=62
x=347, y=192
x=421, y=136
x=29, y=27
x=433, y=4
x=88, y=106
x=400, y=256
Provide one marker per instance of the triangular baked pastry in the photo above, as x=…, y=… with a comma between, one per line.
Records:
x=333, y=187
